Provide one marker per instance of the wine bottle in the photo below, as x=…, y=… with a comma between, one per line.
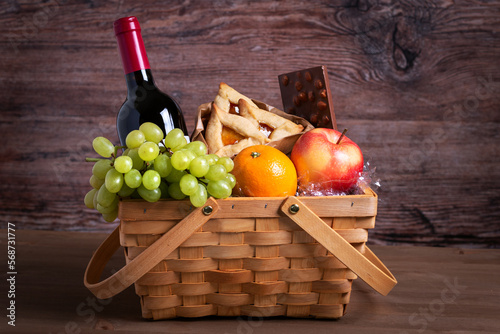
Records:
x=144, y=102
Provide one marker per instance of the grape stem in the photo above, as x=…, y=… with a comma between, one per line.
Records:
x=203, y=181
x=118, y=148
x=168, y=150
x=92, y=159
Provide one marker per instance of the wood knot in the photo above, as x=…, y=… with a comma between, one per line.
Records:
x=405, y=48
x=102, y=324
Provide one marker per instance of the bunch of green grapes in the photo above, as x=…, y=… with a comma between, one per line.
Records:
x=152, y=167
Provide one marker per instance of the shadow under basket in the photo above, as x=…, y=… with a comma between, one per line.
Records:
x=293, y=256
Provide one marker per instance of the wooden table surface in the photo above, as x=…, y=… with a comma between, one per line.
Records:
x=440, y=290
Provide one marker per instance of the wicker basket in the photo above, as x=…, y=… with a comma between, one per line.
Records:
x=294, y=256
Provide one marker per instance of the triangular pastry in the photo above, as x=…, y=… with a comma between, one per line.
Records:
x=280, y=126
x=248, y=134
x=213, y=132
x=230, y=150
x=227, y=96
x=236, y=122
x=241, y=125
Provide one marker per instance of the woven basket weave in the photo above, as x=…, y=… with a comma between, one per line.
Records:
x=243, y=256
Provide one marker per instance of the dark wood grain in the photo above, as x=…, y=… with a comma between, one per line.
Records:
x=416, y=82
x=461, y=296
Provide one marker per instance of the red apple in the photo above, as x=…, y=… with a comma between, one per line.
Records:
x=324, y=164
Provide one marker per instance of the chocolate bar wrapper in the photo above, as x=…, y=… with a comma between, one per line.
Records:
x=285, y=145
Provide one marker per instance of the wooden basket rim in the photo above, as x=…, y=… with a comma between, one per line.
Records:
x=363, y=205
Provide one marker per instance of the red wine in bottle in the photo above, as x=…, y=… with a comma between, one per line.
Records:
x=145, y=102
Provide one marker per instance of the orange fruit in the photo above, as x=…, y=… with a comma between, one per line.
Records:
x=264, y=171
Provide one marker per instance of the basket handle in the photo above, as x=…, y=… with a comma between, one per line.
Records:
x=367, y=266
x=145, y=261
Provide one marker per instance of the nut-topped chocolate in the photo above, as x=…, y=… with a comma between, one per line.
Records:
x=306, y=93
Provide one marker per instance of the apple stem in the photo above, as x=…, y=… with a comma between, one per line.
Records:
x=341, y=136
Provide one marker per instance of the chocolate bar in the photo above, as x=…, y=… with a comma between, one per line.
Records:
x=306, y=93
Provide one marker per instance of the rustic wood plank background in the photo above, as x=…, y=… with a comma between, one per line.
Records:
x=416, y=82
